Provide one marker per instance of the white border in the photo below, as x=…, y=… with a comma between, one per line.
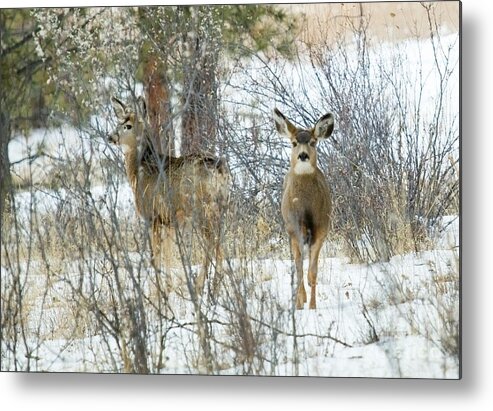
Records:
x=120, y=392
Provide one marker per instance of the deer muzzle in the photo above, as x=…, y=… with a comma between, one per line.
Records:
x=303, y=156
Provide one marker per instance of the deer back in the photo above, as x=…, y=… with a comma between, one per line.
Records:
x=197, y=185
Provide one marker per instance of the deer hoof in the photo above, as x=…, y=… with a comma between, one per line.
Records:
x=312, y=279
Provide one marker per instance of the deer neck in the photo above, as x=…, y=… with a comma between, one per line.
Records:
x=304, y=169
x=132, y=165
x=301, y=171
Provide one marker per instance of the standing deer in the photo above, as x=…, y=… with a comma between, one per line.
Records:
x=306, y=201
x=182, y=192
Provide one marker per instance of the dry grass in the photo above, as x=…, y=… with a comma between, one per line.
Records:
x=388, y=21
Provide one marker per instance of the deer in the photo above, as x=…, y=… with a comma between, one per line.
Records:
x=306, y=203
x=172, y=192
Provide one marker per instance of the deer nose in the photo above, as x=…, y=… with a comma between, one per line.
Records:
x=303, y=156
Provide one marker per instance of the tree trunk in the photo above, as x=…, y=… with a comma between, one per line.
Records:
x=158, y=106
x=5, y=178
x=199, y=121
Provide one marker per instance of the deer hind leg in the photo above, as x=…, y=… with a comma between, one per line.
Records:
x=168, y=245
x=313, y=270
x=203, y=245
x=214, y=258
x=217, y=231
x=167, y=254
x=201, y=277
x=156, y=244
x=298, y=260
x=218, y=272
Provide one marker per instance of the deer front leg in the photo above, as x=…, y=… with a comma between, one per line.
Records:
x=313, y=270
x=217, y=238
x=156, y=243
x=300, y=287
x=203, y=245
x=168, y=244
x=202, y=276
x=218, y=272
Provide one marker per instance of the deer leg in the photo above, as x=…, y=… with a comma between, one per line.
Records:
x=201, y=277
x=156, y=244
x=300, y=287
x=168, y=246
x=204, y=273
x=167, y=254
x=313, y=269
x=218, y=273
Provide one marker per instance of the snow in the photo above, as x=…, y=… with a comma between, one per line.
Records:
x=412, y=64
x=35, y=157
x=397, y=300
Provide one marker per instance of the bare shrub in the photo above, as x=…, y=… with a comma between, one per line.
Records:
x=392, y=159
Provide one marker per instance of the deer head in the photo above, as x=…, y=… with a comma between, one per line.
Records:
x=304, y=142
x=130, y=125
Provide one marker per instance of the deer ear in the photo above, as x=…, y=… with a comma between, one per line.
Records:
x=283, y=125
x=325, y=126
x=142, y=106
x=119, y=107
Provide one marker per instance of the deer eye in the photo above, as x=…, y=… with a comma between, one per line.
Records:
x=127, y=126
x=294, y=143
x=313, y=143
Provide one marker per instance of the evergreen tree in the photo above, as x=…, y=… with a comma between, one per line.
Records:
x=186, y=45
x=22, y=79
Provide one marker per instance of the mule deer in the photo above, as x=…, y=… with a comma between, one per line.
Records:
x=174, y=192
x=306, y=201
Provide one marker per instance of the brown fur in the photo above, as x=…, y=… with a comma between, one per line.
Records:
x=306, y=200
x=174, y=192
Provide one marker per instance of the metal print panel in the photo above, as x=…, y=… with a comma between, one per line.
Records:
x=267, y=190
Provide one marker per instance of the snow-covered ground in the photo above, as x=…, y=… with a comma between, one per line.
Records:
x=391, y=319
